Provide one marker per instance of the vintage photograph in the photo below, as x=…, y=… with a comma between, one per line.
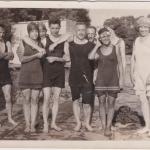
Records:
x=77, y=73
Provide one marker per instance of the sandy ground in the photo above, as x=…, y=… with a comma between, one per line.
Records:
x=66, y=121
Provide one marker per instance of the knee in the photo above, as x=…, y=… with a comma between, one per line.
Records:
x=102, y=99
x=55, y=99
x=34, y=101
x=26, y=100
x=111, y=101
x=86, y=106
x=7, y=97
x=76, y=102
x=46, y=102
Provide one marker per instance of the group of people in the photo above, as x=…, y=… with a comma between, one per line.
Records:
x=97, y=66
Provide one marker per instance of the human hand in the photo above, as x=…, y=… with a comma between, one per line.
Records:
x=39, y=55
x=98, y=43
x=8, y=56
x=2, y=55
x=51, y=59
x=42, y=50
x=52, y=47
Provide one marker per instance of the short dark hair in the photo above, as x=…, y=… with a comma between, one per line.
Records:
x=102, y=30
x=7, y=32
x=43, y=26
x=93, y=27
x=81, y=23
x=2, y=26
x=54, y=21
x=32, y=26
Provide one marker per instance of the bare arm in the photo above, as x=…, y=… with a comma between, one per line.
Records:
x=63, y=38
x=22, y=58
x=133, y=60
x=65, y=58
x=27, y=40
x=120, y=69
x=66, y=51
x=26, y=59
x=92, y=55
x=123, y=55
x=95, y=75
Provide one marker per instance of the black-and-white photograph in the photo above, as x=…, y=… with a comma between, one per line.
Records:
x=79, y=74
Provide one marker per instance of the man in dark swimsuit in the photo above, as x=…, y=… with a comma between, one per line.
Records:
x=80, y=79
x=6, y=54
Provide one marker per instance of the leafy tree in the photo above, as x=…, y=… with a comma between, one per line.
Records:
x=125, y=28
x=32, y=14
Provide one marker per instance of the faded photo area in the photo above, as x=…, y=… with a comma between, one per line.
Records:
x=74, y=74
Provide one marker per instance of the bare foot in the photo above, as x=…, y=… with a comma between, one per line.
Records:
x=55, y=127
x=108, y=132
x=78, y=127
x=27, y=129
x=12, y=122
x=89, y=128
x=33, y=129
x=45, y=129
x=100, y=128
x=143, y=130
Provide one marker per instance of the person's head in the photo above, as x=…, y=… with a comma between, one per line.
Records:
x=33, y=30
x=54, y=25
x=2, y=31
x=91, y=33
x=42, y=30
x=143, y=26
x=104, y=36
x=81, y=30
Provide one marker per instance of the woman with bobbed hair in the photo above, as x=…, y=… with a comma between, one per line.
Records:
x=31, y=76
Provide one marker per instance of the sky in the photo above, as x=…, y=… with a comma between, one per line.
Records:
x=98, y=16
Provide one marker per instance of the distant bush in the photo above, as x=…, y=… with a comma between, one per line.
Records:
x=125, y=28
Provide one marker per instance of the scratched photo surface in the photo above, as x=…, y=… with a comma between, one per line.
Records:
x=74, y=72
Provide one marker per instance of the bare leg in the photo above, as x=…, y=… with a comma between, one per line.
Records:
x=102, y=110
x=34, y=108
x=56, y=95
x=146, y=113
x=76, y=111
x=7, y=94
x=87, y=114
x=92, y=108
x=110, y=114
x=27, y=107
x=46, y=107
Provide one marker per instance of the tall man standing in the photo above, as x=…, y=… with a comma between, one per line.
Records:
x=80, y=79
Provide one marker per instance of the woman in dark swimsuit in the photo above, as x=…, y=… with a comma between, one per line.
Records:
x=107, y=82
x=31, y=77
x=5, y=78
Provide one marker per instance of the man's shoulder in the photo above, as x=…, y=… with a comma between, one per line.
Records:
x=91, y=44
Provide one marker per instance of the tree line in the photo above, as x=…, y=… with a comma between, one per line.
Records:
x=124, y=27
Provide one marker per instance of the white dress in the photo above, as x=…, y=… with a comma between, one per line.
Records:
x=142, y=66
